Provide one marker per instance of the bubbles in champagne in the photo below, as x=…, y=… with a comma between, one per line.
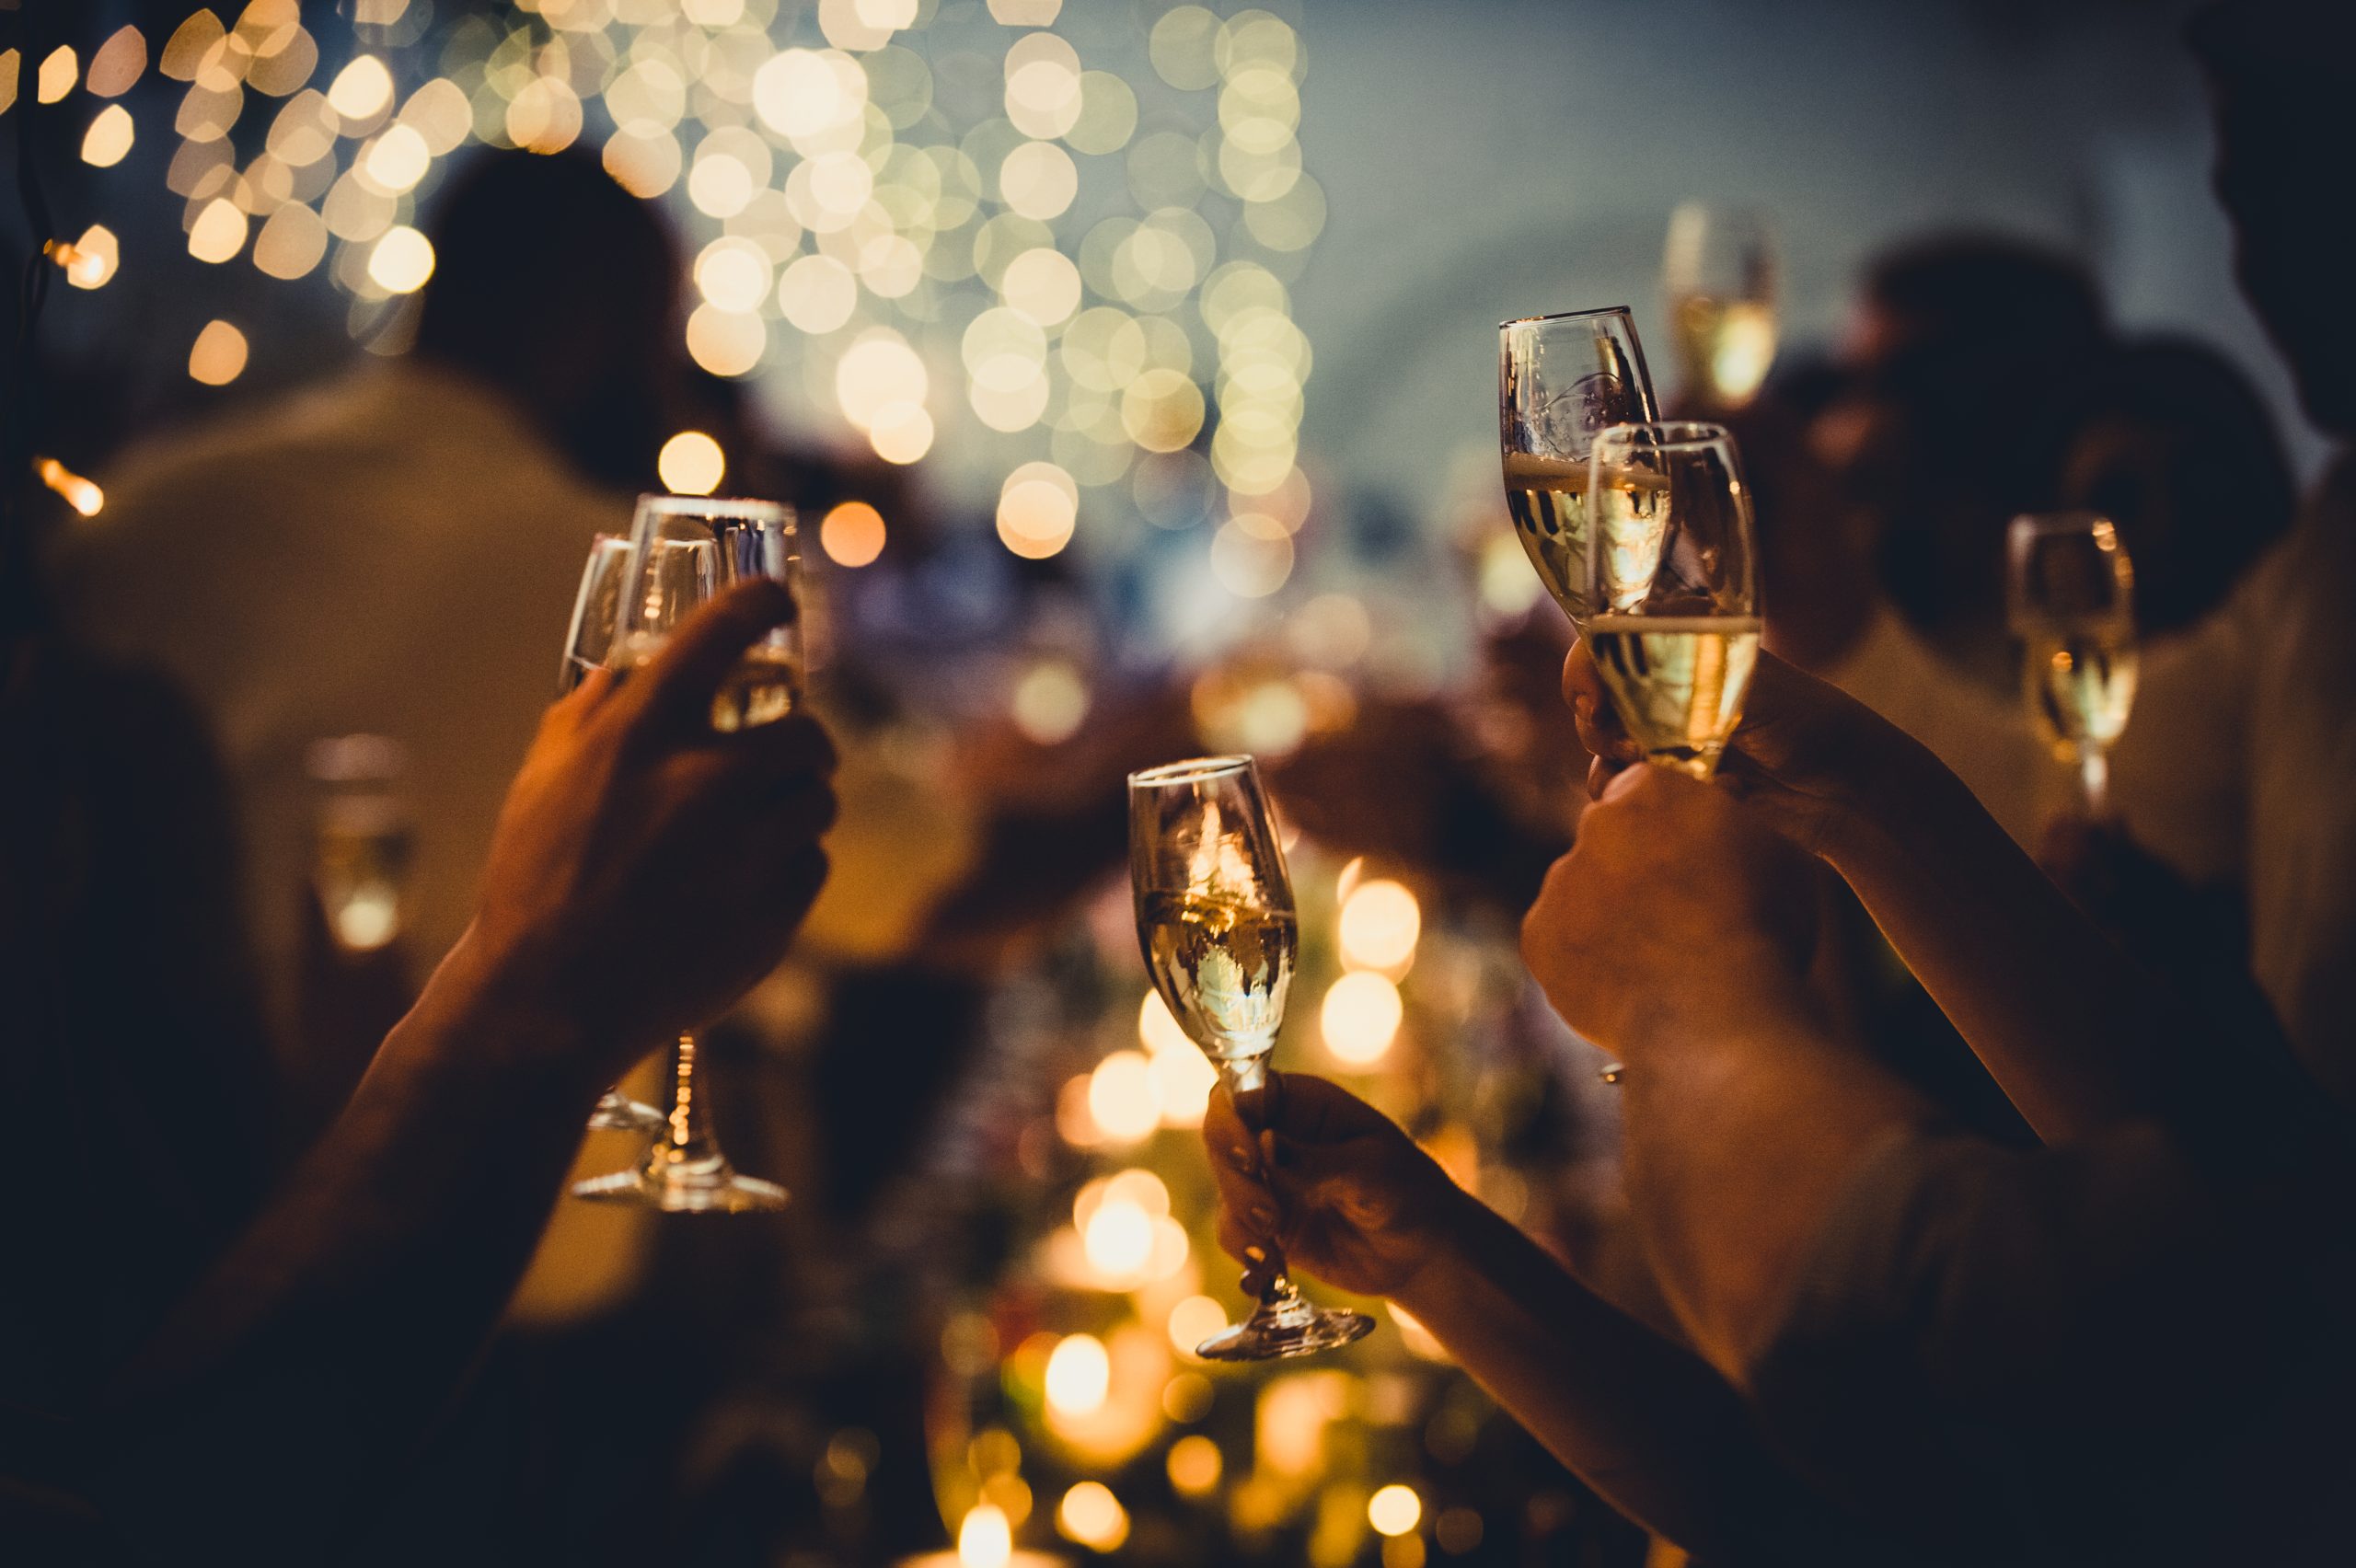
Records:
x=1223, y=965
x=1678, y=682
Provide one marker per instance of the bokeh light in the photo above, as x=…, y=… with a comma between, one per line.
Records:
x=691, y=463
x=1394, y=1510
x=90, y=261
x=1123, y=1100
x=402, y=260
x=218, y=356
x=1079, y=1374
x=1091, y=1515
x=1378, y=925
x=1193, y=1464
x=851, y=534
x=107, y=141
x=1360, y=1018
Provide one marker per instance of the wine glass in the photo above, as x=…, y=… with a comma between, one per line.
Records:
x=1674, y=577
x=596, y=612
x=1561, y=379
x=1216, y=923
x=1718, y=270
x=2070, y=590
x=682, y=549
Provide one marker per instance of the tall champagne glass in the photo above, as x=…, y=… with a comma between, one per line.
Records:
x=682, y=549
x=1561, y=379
x=1674, y=576
x=2070, y=590
x=1673, y=572
x=1718, y=272
x=1216, y=923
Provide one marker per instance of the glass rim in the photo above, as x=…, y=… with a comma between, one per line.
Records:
x=1565, y=316
x=730, y=509
x=1192, y=770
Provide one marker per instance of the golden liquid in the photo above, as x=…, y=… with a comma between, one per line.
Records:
x=764, y=688
x=1726, y=345
x=360, y=865
x=1223, y=965
x=2081, y=683
x=1676, y=681
x=1548, y=499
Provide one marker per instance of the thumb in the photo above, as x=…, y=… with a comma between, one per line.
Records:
x=681, y=680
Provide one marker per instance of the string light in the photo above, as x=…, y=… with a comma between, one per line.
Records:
x=80, y=494
x=838, y=193
x=691, y=463
x=218, y=355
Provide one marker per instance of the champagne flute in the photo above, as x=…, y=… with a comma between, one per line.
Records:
x=1673, y=573
x=2070, y=590
x=1561, y=379
x=1718, y=270
x=1216, y=923
x=684, y=549
x=588, y=642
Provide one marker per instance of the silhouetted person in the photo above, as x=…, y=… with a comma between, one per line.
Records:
x=394, y=551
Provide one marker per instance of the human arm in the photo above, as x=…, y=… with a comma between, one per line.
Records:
x=1644, y=1421
x=644, y=873
x=2059, y=1016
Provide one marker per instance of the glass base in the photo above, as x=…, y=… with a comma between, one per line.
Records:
x=1280, y=1333
x=703, y=1187
x=618, y=1113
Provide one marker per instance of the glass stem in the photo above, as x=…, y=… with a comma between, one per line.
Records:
x=1248, y=1085
x=685, y=1139
x=2094, y=776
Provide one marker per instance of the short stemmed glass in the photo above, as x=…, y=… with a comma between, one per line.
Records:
x=1216, y=923
x=1560, y=380
x=2071, y=591
x=684, y=1170
x=1718, y=272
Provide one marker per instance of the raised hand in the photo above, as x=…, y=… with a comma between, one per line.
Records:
x=1810, y=757
x=1346, y=1193
x=1674, y=912
x=646, y=869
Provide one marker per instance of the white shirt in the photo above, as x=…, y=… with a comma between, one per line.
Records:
x=394, y=552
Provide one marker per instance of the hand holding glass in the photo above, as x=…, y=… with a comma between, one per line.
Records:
x=1216, y=923
x=683, y=551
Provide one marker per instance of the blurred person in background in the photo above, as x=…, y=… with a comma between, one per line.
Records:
x=392, y=551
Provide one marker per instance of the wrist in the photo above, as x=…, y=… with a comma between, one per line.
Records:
x=1456, y=1219
x=495, y=1011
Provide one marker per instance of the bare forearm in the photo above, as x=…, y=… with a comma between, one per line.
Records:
x=1647, y=1423
x=1743, y=1128
x=338, y=1325
x=2058, y=1015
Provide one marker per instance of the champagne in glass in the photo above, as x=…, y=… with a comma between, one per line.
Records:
x=1561, y=379
x=1677, y=682
x=1216, y=924
x=362, y=843
x=1718, y=272
x=1674, y=577
x=2071, y=590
